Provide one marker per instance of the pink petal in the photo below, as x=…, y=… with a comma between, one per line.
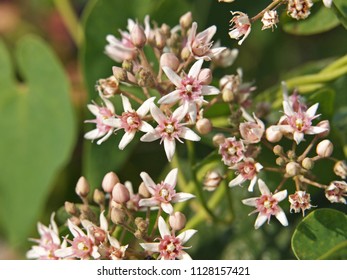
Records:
x=75, y=230
x=169, y=98
x=315, y=130
x=195, y=69
x=64, y=252
x=250, y=201
x=191, y=36
x=287, y=108
x=157, y=114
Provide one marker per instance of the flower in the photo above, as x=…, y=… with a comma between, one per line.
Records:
x=340, y=169
x=82, y=246
x=131, y=121
x=241, y=26
x=269, y=19
x=251, y=131
x=164, y=193
x=99, y=233
x=212, y=180
x=232, y=151
x=336, y=192
x=247, y=169
x=48, y=243
x=169, y=129
x=189, y=89
x=102, y=113
x=200, y=45
x=115, y=251
x=299, y=9
x=170, y=246
x=297, y=121
x=300, y=201
x=267, y=205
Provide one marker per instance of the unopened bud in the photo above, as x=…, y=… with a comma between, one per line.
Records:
x=280, y=161
x=144, y=78
x=87, y=213
x=307, y=163
x=141, y=224
x=291, y=154
x=159, y=39
x=204, y=126
x=218, y=139
x=143, y=191
x=82, y=187
x=177, y=221
x=186, y=20
x=292, y=169
x=325, y=148
x=71, y=208
x=170, y=60
x=127, y=65
x=98, y=197
x=185, y=53
x=165, y=30
x=340, y=169
x=228, y=95
x=278, y=150
x=205, y=76
x=109, y=181
x=120, y=193
x=273, y=135
x=138, y=36
x=117, y=216
x=324, y=124
x=119, y=73
x=212, y=180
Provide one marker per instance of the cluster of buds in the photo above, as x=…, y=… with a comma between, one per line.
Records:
x=97, y=226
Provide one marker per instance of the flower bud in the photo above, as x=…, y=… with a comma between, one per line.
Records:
x=212, y=180
x=127, y=65
x=119, y=73
x=71, y=208
x=204, y=126
x=170, y=60
x=98, y=197
x=120, y=193
x=109, y=181
x=138, y=36
x=273, y=135
x=165, y=30
x=228, y=95
x=141, y=224
x=218, y=139
x=325, y=148
x=205, y=76
x=117, y=216
x=177, y=221
x=82, y=187
x=324, y=124
x=186, y=20
x=278, y=150
x=160, y=39
x=143, y=191
x=336, y=192
x=292, y=169
x=280, y=161
x=307, y=163
x=185, y=53
x=340, y=169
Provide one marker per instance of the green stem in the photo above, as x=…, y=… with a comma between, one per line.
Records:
x=70, y=19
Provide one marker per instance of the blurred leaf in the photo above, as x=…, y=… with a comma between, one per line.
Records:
x=320, y=20
x=326, y=99
x=321, y=235
x=340, y=8
x=38, y=133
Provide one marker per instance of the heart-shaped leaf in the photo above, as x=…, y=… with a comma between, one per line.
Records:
x=37, y=133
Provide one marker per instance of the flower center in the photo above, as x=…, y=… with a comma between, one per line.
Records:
x=169, y=128
x=164, y=193
x=299, y=123
x=170, y=247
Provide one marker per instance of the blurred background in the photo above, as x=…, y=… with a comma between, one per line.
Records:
x=266, y=58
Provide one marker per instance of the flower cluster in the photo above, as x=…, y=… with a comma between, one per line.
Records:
x=120, y=211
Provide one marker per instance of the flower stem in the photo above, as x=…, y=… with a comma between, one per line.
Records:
x=268, y=8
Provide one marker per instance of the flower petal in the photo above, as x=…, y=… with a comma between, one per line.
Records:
x=189, y=134
x=151, y=247
x=64, y=252
x=103, y=139
x=184, y=256
x=150, y=136
x=179, y=197
x=186, y=235
x=195, y=69
x=163, y=228
x=148, y=202
x=167, y=207
x=173, y=77
x=251, y=185
x=144, y=108
x=298, y=136
x=126, y=104
x=171, y=97
x=238, y=180
x=145, y=127
x=250, y=201
x=280, y=195
x=93, y=109
x=170, y=147
x=171, y=177
x=126, y=139
x=263, y=187
x=209, y=90
x=114, y=122
x=261, y=219
x=281, y=216
x=148, y=182
x=312, y=110
x=93, y=134
x=157, y=114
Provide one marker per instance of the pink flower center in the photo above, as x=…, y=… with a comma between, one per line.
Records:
x=82, y=246
x=99, y=234
x=170, y=247
x=105, y=113
x=247, y=170
x=232, y=151
x=299, y=121
x=164, y=192
x=130, y=121
x=169, y=129
x=190, y=89
x=267, y=205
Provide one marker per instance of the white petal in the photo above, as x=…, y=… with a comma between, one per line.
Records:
x=237, y=181
x=282, y=217
x=179, y=197
x=209, y=90
x=151, y=247
x=263, y=187
x=144, y=108
x=312, y=110
x=75, y=230
x=180, y=112
x=64, y=252
x=163, y=228
x=261, y=219
x=287, y=108
x=191, y=36
x=298, y=137
x=208, y=33
x=148, y=202
x=251, y=185
x=250, y=201
x=93, y=134
x=145, y=127
x=150, y=136
x=173, y=77
x=167, y=208
x=93, y=109
x=195, y=69
x=157, y=114
x=103, y=221
x=280, y=195
x=184, y=256
x=108, y=104
x=148, y=182
x=171, y=177
x=169, y=98
x=113, y=241
x=170, y=147
x=126, y=139
x=316, y=130
x=186, y=235
x=126, y=104
x=189, y=134
x=103, y=139
x=114, y=122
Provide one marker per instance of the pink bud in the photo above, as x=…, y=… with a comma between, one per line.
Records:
x=120, y=193
x=205, y=76
x=204, y=126
x=273, y=135
x=186, y=20
x=82, y=187
x=138, y=36
x=324, y=124
x=109, y=181
x=170, y=60
x=325, y=148
x=177, y=221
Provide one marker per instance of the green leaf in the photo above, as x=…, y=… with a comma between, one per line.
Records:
x=340, y=9
x=320, y=20
x=321, y=235
x=38, y=133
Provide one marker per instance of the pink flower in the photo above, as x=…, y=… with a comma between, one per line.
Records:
x=99, y=233
x=241, y=26
x=200, y=45
x=163, y=194
x=189, y=89
x=336, y=192
x=232, y=151
x=131, y=121
x=251, y=131
x=247, y=169
x=297, y=121
x=48, y=243
x=267, y=205
x=300, y=201
x=170, y=246
x=169, y=129
x=115, y=251
x=102, y=113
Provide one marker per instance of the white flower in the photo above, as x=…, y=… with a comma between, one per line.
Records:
x=169, y=246
x=240, y=26
x=169, y=129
